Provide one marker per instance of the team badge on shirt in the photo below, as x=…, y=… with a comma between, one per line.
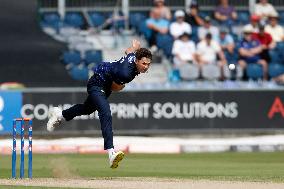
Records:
x=131, y=59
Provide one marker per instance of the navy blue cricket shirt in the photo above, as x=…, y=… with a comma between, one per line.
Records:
x=119, y=71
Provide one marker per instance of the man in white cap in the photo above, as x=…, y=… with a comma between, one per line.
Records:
x=179, y=27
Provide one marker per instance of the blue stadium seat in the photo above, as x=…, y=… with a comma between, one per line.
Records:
x=231, y=58
x=74, y=19
x=115, y=23
x=281, y=17
x=243, y=17
x=194, y=34
x=174, y=75
x=165, y=42
x=135, y=19
x=254, y=71
x=71, y=57
x=93, y=57
x=143, y=30
x=275, y=56
x=236, y=37
x=203, y=14
x=79, y=73
x=97, y=18
x=280, y=46
x=51, y=19
x=275, y=70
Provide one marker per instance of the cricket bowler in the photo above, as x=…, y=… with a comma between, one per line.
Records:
x=107, y=77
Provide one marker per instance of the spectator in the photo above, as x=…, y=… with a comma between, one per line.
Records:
x=184, y=50
x=179, y=26
x=157, y=25
x=164, y=10
x=225, y=13
x=254, y=22
x=192, y=16
x=226, y=41
x=266, y=41
x=274, y=29
x=208, y=50
x=250, y=51
x=208, y=28
x=263, y=9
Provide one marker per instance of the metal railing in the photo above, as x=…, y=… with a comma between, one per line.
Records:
x=135, y=5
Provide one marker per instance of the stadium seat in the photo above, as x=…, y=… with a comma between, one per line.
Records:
x=79, y=73
x=243, y=17
x=74, y=19
x=281, y=17
x=51, y=20
x=174, y=75
x=71, y=57
x=203, y=14
x=189, y=71
x=280, y=46
x=254, y=71
x=275, y=70
x=143, y=30
x=165, y=42
x=211, y=72
x=275, y=56
x=117, y=23
x=93, y=56
x=194, y=34
x=97, y=19
x=135, y=19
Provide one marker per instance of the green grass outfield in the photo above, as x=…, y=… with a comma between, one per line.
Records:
x=213, y=166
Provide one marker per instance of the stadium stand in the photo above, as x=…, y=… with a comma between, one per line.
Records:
x=84, y=15
x=26, y=50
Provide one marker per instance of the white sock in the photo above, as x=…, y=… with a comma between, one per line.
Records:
x=60, y=116
x=110, y=152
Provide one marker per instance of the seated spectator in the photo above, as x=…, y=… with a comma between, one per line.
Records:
x=208, y=28
x=254, y=22
x=192, y=17
x=157, y=25
x=250, y=51
x=225, y=13
x=266, y=41
x=179, y=27
x=263, y=9
x=274, y=29
x=164, y=10
x=226, y=41
x=207, y=52
x=184, y=50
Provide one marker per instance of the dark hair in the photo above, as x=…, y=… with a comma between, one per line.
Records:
x=208, y=36
x=143, y=52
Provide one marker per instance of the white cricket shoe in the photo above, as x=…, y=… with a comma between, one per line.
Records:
x=55, y=118
x=115, y=159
